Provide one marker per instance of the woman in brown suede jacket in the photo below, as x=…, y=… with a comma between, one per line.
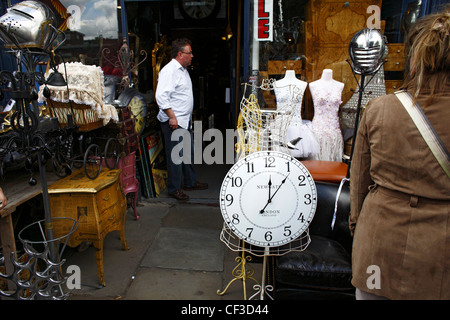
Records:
x=400, y=195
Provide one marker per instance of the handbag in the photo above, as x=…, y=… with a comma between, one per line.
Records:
x=428, y=133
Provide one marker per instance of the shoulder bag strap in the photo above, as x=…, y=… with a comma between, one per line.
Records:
x=425, y=128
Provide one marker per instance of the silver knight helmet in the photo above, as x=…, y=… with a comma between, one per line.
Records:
x=367, y=50
x=28, y=24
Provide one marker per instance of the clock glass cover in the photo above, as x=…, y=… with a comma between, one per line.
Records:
x=268, y=198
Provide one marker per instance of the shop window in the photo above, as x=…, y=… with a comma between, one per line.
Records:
x=309, y=36
x=91, y=27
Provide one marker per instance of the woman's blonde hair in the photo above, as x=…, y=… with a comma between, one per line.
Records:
x=428, y=54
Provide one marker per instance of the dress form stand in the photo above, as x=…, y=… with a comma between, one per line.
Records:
x=326, y=95
x=260, y=130
x=299, y=137
x=244, y=271
x=290, y=80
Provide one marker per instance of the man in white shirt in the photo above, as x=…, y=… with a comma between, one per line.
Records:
x=175, y=99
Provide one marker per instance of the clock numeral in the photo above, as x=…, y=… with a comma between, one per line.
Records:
x=301, y=217
x=288, y=167
x=236, y=182
x=249, y=230
x=235, y=219
x=250, y=167
x=229, y=198
x=268, y=236
x=270, y=162
x=308, y=198
x=287, y=231
x=302, y=179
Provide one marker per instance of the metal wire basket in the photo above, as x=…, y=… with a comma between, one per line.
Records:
x=38, y=272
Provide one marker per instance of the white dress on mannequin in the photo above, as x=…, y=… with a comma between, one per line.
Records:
x=326, y=95
x=299, y=136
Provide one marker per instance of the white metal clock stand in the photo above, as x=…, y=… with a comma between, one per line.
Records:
x=267, y=200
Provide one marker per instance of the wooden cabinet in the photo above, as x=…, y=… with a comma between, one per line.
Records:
x=98, y=205
x=279, y=67
x=395, y=61
x=329, y=28
x=392, y=85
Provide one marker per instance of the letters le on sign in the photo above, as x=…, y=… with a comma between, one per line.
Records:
x=263, y=20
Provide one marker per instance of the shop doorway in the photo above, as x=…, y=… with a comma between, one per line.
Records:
x=153, y=23
x=213, y=69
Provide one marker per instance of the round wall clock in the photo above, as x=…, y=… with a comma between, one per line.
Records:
x=268, y=198
x=199, y=10
x=134, y=100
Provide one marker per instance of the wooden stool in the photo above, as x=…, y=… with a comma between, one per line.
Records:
x=98, y=205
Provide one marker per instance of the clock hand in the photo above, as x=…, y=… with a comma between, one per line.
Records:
x=282, y=182
x=270, y=199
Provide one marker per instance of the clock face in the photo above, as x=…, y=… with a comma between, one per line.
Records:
x=268, y=198
x=200, y=9
x=138, y=109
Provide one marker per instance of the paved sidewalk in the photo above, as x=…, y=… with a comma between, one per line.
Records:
x=175, y=252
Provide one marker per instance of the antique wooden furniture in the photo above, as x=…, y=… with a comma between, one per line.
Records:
x=395, y=62
x=278, y=67
x=98, y=205
x=329, y=27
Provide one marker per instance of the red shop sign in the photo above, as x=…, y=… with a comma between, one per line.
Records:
x=263, y=20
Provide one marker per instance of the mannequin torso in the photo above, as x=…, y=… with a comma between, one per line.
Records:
x=298, y=134
x=326, y=95
x=290, y=90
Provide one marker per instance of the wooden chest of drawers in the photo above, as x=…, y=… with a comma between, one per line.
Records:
x=395, y=60
x=98, y=205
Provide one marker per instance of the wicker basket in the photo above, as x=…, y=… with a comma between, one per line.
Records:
x=83, y=115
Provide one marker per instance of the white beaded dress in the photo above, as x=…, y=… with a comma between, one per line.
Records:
x=325, y=124
x=299, y=132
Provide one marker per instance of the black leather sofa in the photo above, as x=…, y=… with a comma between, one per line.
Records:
x=323, y=270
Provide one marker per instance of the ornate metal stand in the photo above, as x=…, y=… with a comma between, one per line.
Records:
x=244, y=271
x=26, y=138
x=241, y=272
x=125, y=61
x=29, y=140
x=367, y=52
x=261, y=130
x=263, y=289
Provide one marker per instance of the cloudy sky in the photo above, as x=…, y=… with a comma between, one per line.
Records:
x=95, y=17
